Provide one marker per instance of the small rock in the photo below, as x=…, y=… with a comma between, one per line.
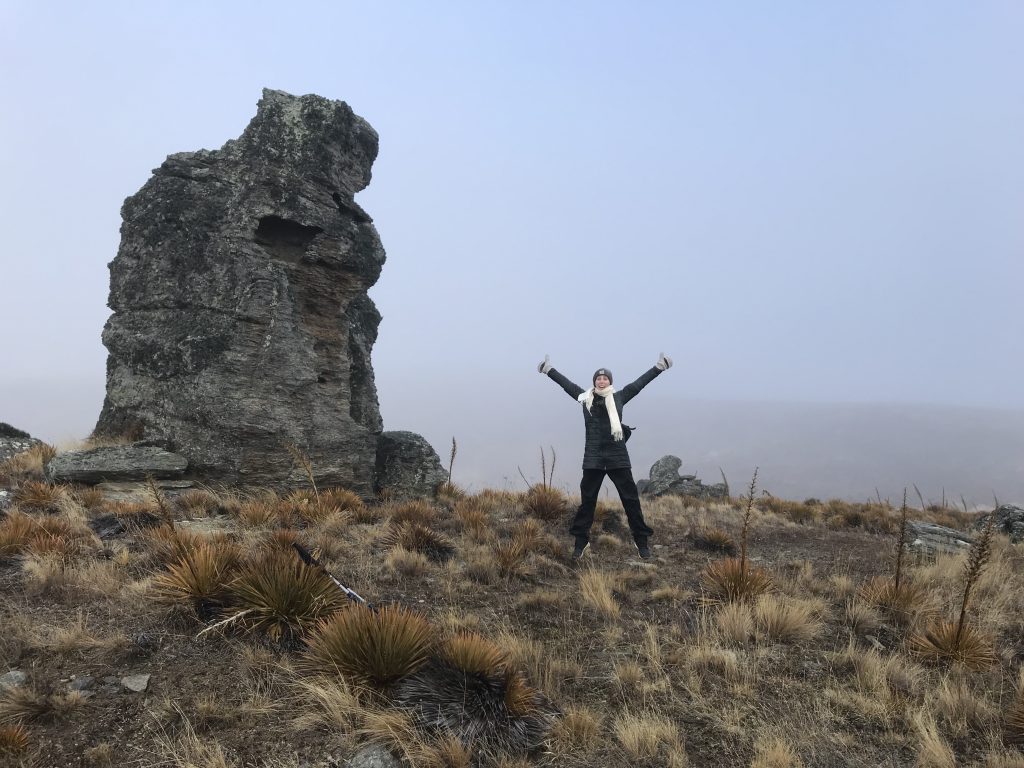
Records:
x=136, y=683
x=373, y=757
x=12, y=679
x=81, y=683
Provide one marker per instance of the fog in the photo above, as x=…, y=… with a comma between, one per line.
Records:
x=815, y=209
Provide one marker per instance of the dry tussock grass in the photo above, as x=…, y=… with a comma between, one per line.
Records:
x=932, y=750
x=280, y=595
x=578, y=729
x=417, y=537
x=959, y=710
x=14, y=740
x=26, y=465
x=775, y=752
x=473, y=517
x=371, y=648
x=1013, y=718
x=407, y=564
x=648, y=736
x=711, y=539
x=597, y=590
x=731, y=580
x=546, y=503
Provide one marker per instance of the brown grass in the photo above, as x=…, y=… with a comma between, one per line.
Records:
x=546, y=503
x=712, y=539
x=416, y=537
x=947, y=642
x=785, y=621
x=199, y=578
x=1013, y=718
x=282, y=596
x=14, y=739
x=597, y=591
x=730, y=581
x=372, y=648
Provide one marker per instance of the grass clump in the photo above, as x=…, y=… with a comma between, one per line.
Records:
x=282, y=596
x=733, y=579
x=199, y=578
x=415, y=537
x=545, y=503
x=14, y=739
x=712, y=539
x=959, y=642
x=377, y=648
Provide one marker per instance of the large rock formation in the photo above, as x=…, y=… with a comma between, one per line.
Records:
x=1009, y=521
x=666, y=480
x=407, y=466
x=241, y=318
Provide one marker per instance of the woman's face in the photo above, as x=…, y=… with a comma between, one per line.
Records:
x=602, y=381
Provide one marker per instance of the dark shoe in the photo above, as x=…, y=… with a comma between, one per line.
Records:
x=582, y=545
x=643, y=549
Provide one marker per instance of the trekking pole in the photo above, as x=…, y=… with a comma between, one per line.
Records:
x=312, y=562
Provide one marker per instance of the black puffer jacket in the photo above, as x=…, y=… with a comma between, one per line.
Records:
x=602, y=451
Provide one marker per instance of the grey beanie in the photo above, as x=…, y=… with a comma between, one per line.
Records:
x=602, y=372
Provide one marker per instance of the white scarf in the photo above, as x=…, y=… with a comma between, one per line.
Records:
x=587, y=398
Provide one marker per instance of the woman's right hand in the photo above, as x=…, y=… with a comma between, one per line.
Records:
x=544, y=366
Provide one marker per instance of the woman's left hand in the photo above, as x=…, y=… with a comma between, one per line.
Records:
x=664, y=363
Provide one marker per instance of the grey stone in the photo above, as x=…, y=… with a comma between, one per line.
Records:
x=6, y=499
x=373, y=757
x=14, y=441
x=666, y=480
x=115, y=463
x=932, y=539
x=241, y=320
x=136, y=683
x=82, y=683
x=1009, y=521
x=407, y=466
x=12, y=679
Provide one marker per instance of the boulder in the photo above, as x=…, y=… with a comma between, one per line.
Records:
x=14, y=441
x=1009, y=521
x=666, y=480
x=407, y=466
x=117, y=463
x=932, y=539
x=241, y=322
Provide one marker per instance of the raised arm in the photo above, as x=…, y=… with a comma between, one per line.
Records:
x=571, y=389
x=633, y=389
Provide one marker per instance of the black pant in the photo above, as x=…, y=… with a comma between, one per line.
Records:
x=590, y=486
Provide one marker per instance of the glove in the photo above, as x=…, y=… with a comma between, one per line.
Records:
x=544, y=366
x=664, y=363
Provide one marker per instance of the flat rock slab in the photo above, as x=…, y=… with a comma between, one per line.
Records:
x=114, y=464
x=933, y=539
x=139, y=491
x=12, y=679
x=136, y=683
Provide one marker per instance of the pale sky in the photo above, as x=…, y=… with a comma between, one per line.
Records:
x=800, y=202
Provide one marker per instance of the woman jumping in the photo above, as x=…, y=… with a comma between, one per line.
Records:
x=605, y=451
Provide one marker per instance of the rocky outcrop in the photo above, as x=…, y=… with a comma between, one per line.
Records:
x=119, y=463
x=1009, y=521
x=241, y=322
x=14, y=441
x=666, y=480
x=932, y=539
x=407, y=466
